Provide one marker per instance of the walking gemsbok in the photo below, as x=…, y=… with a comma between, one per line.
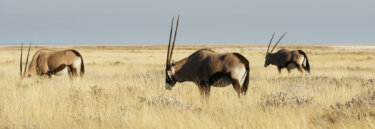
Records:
x=50, y=62
x=287, y=59
x=207, y=68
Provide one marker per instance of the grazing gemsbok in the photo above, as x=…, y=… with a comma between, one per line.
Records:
x=49, y=62
x=207, y=68
x=287, y=59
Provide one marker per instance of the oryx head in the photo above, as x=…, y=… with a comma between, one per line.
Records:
x=27, y=60
x=169, y=69
x=268, y=58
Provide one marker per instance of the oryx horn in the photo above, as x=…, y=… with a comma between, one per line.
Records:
x=21, y=60
x=278, y=42
x=170, y=39
x=270, y=42
x=174, y=40
x=27, y=60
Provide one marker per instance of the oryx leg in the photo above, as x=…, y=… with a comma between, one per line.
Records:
x=299, y=67
x=76, y=66
x=44, y=71
x=70, y=72
x=237, y=86
x=238, y=75
x=204, y=90
x=288, y=70
x=299, y=63
x=73, y=71
x=42, y=67
x=279, y=69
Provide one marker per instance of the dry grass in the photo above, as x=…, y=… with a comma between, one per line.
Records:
x=124, y=88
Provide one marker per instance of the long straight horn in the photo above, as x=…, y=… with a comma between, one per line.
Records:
x=27, y=60
x=270, y=42
x=174, y=40
x=21, y=60
x=170, y=39
x=278, y=41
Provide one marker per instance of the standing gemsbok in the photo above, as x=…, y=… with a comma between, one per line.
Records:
x=207, y=68
x=49, y=62
x=287, y=59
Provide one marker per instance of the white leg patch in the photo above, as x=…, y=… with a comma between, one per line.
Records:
x=300, y=60
x=239, y=73
x=77, y=64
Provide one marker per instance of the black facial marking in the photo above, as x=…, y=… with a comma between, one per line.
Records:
x=169, y=79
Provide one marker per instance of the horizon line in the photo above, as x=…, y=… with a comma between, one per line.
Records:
x=132, y=44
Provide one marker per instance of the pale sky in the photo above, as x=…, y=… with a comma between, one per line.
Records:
x=202, y=21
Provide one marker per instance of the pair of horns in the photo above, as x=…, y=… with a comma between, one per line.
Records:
x=276, y=42
x=27, y=59
x=170, y=50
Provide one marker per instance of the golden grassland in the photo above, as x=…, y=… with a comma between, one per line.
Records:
x=124, y=88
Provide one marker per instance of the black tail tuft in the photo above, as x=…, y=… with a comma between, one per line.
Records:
x=82, y=68
x=307, y=67
x=247, y=78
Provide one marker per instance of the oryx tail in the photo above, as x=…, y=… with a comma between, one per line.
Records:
x=247, y=66
x=82, y=64
x=307, y=67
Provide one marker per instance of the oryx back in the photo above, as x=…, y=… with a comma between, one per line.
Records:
x=55, y=62
x=215, y=68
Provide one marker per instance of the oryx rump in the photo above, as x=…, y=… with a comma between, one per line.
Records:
x=207, y=68
x=287, y=59
x=50, y=62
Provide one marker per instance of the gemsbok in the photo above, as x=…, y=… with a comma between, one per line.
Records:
x=287, y=59
x=50, y=62
x=207, y=68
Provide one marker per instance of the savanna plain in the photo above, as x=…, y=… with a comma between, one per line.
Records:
x=123, y=87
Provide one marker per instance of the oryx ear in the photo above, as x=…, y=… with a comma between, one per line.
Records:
x=173, y=63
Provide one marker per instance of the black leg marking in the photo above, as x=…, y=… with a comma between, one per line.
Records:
x=299, y=68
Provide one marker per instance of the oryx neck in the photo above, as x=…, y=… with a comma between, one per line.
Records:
x=272, y=58
x=180, y=74
x=179, y=64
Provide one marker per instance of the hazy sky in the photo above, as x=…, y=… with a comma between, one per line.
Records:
x=202, y=21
